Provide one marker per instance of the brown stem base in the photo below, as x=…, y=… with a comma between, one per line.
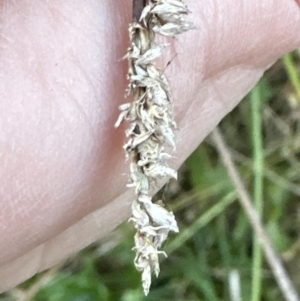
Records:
x=138, y=6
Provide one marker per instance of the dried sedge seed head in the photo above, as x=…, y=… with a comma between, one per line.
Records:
x=151, y=125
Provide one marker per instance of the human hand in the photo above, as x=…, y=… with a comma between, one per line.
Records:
x=63, y=173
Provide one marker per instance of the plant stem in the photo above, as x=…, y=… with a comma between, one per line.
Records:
x=151, y=126
x=137, y=8
x=281, y=276
x=258, y=159
x=292, y=73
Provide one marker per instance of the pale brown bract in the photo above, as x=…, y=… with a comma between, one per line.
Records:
x=152, y=125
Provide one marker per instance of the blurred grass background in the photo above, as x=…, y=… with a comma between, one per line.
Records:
x=215, y=256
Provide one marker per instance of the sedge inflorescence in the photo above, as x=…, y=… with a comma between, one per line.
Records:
x=151, y=128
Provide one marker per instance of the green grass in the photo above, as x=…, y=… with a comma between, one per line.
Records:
x=216, y=240
x=258, y=161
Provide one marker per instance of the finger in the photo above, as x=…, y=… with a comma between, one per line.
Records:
x=226, y=71
x=59, y=71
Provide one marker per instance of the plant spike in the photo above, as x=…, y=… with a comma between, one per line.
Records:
x=152, y=123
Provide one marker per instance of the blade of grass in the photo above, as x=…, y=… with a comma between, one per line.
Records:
x=203, y=220
x=223, y=242
x=292, y=73
x=258, y=160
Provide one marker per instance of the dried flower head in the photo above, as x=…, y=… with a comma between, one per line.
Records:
x=151, y=126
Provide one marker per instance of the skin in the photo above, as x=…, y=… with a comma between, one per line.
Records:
x=63, y=173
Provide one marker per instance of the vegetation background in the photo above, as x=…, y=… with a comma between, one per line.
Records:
x=215, y=256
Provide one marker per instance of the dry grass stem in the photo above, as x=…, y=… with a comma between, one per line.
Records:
x=152, y=123
x=280, y=274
